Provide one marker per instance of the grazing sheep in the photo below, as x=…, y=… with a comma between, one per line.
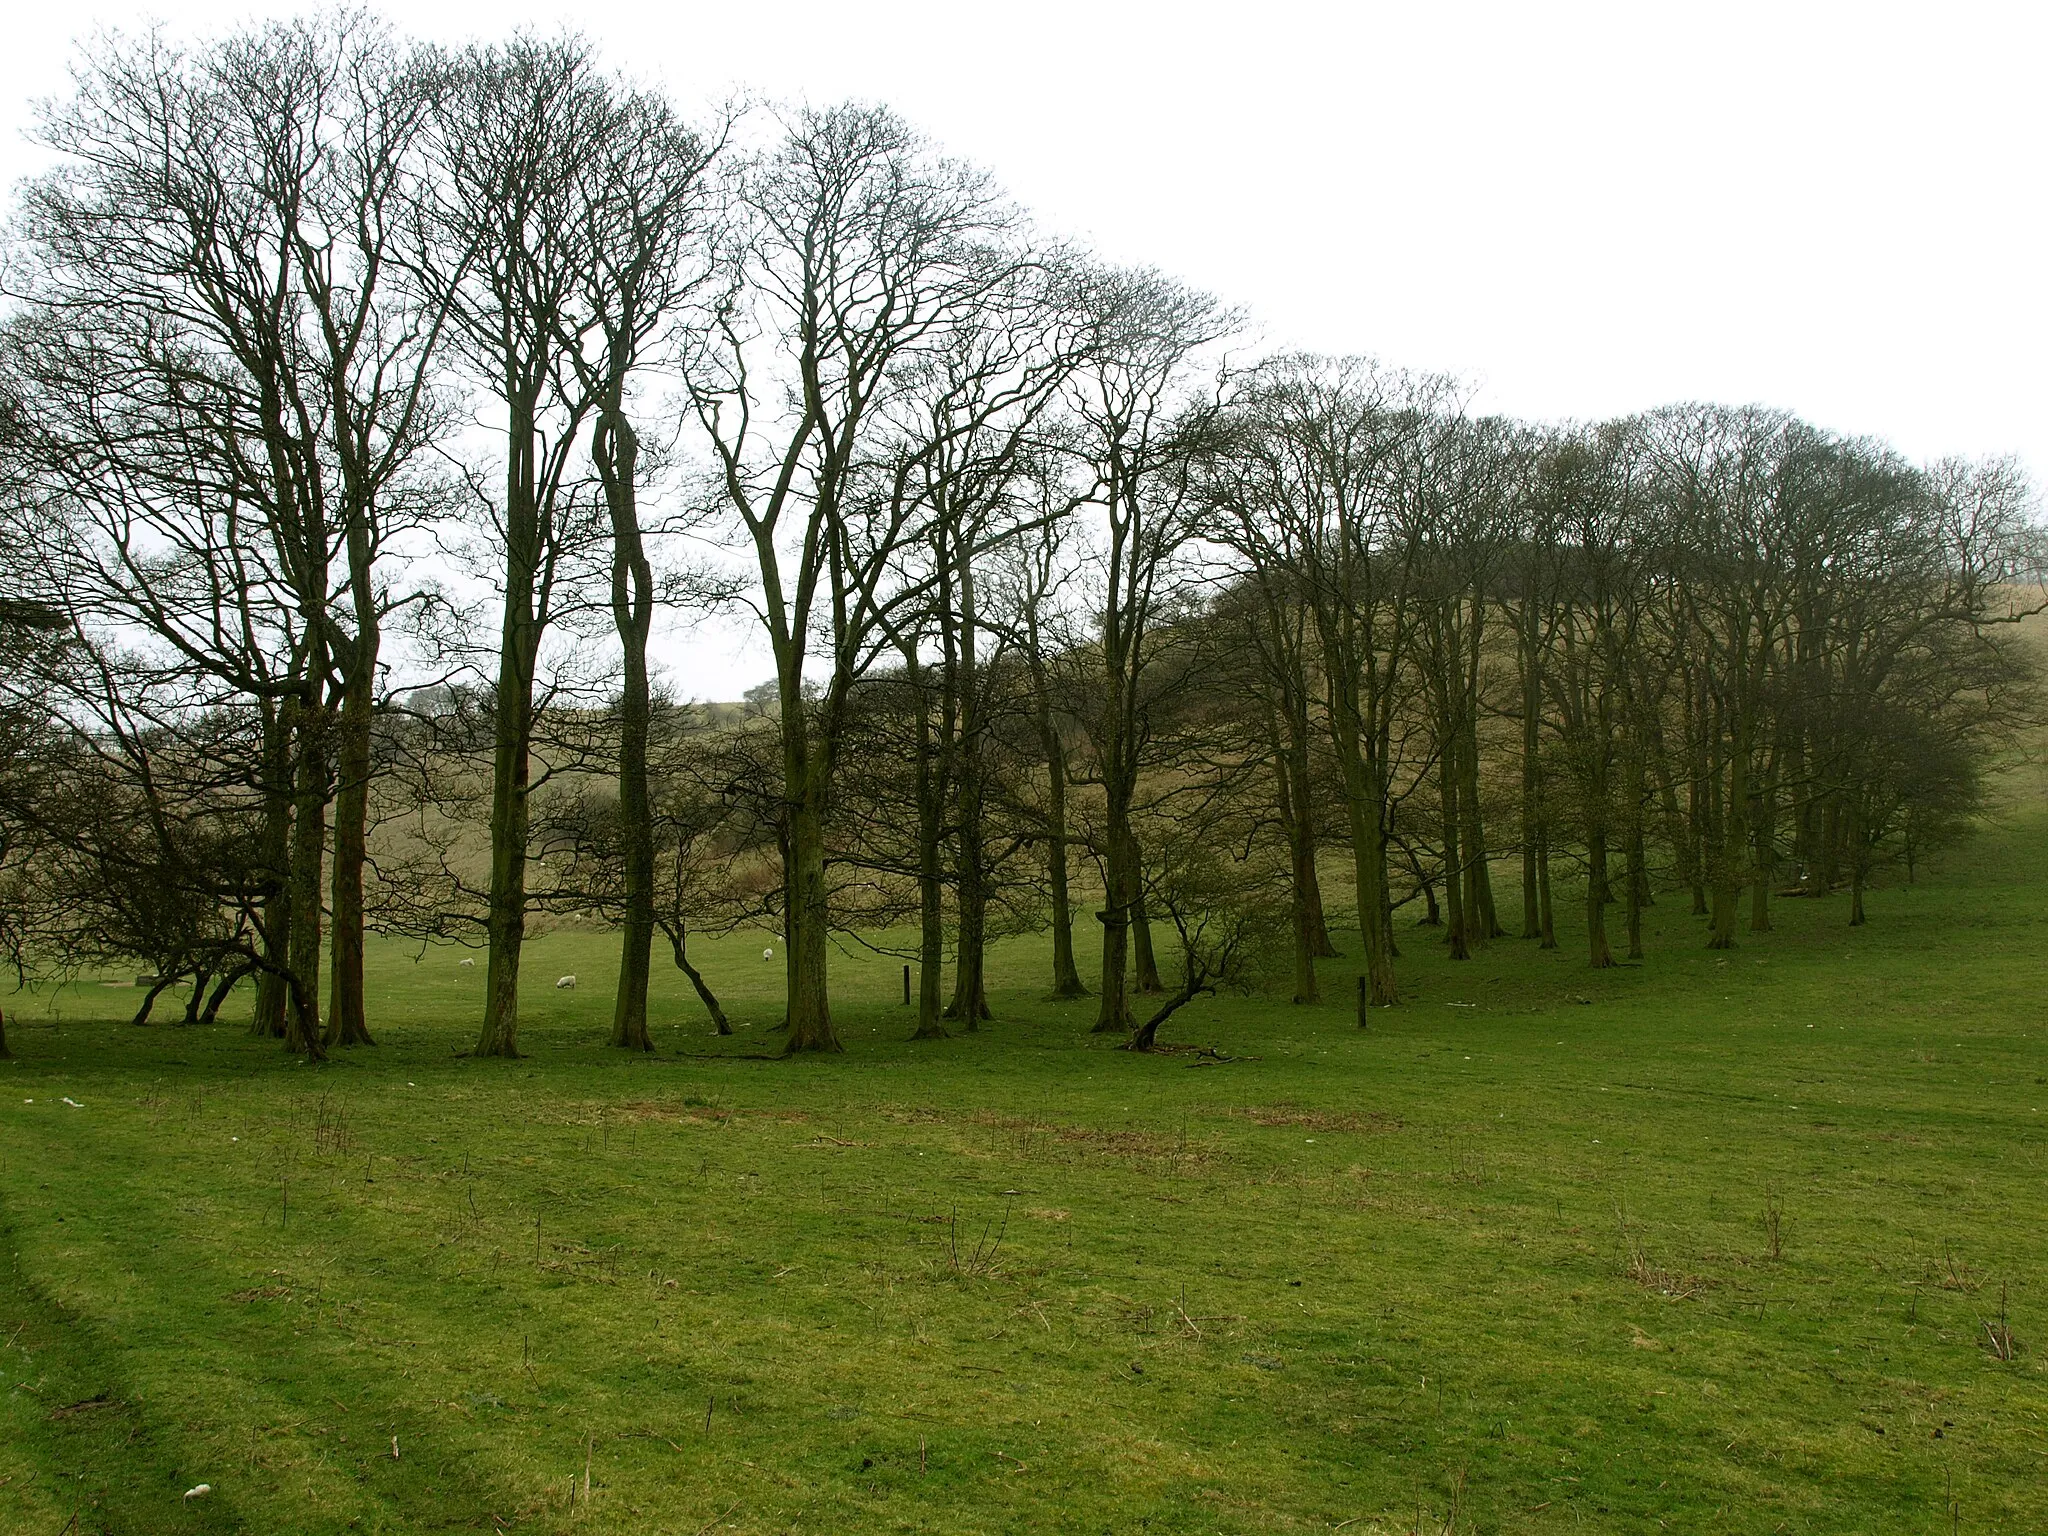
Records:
x=465, y=964
x=768, y=954
x=566, y=984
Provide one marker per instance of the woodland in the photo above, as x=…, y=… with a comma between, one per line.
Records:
x=379, y=421
x=1278, y=952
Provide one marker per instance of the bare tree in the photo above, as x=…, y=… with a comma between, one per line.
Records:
x=852, y=252
x=1137, y=428
x=230, y=397
x=644, y=201
x=507, y=204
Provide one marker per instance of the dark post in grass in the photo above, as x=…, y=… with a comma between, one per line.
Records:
x=906, y=986
x=1364, y=1002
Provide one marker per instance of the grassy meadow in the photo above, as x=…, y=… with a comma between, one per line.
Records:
x=1724, y=1243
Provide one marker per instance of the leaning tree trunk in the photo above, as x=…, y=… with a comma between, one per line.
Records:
x=220, y=993
x=1147, y=1034
x=677, y=939
x=156, y=988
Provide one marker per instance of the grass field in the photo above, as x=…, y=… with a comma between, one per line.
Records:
x=1504, y=1262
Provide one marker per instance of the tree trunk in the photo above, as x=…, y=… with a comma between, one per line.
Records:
x=931, y=812
x=970, y=947
x=1143, y=961
x=1638, y=868
x=5, y=1053
x=197, y=1000
x=1365, y=805
x=1546, y=916
x=1306, y=900
x=1066, y=977
x=1734, y=847
x=810, y=1007
x=347, y=1014
x=512, y=733
x=1482, y=920
x=309, y=847
x=1859, y=864
x=677, y=938
x=149, y=1000
x=1147, y=1034
x=1455, y=941
x=1532, y=813
x=1766, y=865
x=274, y=922
x=1698, y=836
x=1119, y=901
x=347, y=1020
x=616, y=449
x=220, y=993
x=1598, y=955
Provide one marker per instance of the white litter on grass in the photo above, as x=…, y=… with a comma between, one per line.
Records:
x=74, y=1103
x=199, y=1492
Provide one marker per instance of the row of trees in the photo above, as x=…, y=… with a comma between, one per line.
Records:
x=363, y=405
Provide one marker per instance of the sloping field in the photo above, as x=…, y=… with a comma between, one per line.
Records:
x=1731, y=1243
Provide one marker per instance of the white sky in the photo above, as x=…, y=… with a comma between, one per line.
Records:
x=1584, y=208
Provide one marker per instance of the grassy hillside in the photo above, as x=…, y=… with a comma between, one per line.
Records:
x=1720, y=1244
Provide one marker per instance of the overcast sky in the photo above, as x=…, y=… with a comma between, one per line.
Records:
x=1582, y=208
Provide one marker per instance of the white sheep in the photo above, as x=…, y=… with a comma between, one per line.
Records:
x=768, y=954
x=466, y=964
x=566, y=984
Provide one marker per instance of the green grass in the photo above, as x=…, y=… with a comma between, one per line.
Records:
x=1508, y=1259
